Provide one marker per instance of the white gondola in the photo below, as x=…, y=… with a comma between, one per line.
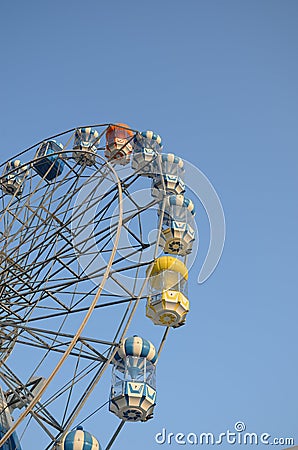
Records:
x=177, y=239
x=78, y=440
x=177, y=207
x=169, y=176
x=178, y=234
x=133, y=391
x=13, y=179
x=146, y=146
x=84, y=146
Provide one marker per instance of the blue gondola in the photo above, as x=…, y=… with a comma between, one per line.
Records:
x=49, y=164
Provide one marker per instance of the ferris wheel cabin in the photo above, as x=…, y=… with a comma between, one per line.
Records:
x=146, y=146
x=167, y=303
x=84, y=146
x=177, y=235
x=118, y=143
x=14, y=176
x=48, y=163
x=133, y=392
x=169, y=176
x=78, y=439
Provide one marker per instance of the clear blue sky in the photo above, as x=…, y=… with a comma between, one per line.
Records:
x=218, y=79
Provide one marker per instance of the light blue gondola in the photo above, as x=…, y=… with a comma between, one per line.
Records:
x=169, y=175
x=85, y=140
x=13, y=179
x=170, y=164
x=78, y=440
x=177, y=207
x=136, y=347
x=146, y=146
x=49, y=164
x=133, y=392
x=177, y=234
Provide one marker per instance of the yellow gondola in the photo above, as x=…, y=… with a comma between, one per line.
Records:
x=167, y=303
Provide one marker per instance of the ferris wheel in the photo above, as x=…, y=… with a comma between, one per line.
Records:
x=93, y=222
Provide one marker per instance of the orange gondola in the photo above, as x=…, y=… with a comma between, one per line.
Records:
x=118, y=143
